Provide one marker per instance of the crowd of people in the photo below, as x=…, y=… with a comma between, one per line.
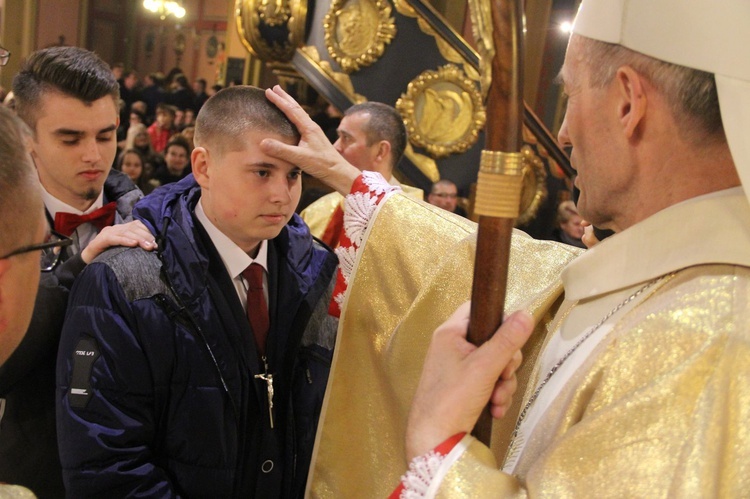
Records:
x=196, y=340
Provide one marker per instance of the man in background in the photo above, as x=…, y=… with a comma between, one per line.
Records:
x=372, y=137
x=444, y=194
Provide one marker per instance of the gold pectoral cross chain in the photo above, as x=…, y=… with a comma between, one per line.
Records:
x=268, y=378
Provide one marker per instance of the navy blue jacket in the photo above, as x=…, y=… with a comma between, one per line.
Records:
x=156, y=388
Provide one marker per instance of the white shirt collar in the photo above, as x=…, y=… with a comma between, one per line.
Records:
x=54, y=205
x=234, y=258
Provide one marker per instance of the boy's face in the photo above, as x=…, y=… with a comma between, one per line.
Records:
x=75, y=146
x=248, y=195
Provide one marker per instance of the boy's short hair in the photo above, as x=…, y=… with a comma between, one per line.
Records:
x=72, y=71
x=234, y=111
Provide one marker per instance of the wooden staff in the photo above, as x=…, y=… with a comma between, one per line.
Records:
x=499, y=183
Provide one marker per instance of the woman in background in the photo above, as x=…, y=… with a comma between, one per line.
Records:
x=131, y=164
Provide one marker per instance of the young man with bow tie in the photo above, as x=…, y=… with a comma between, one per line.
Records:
x=68, y=98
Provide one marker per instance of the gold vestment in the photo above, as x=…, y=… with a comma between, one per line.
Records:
x=661, y=408
x=414, y=270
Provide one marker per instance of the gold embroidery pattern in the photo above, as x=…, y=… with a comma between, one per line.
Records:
x=357, y=32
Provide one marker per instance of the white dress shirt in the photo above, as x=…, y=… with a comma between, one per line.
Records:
x=234, y=258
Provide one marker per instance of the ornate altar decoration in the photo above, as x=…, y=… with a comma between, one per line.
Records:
x=402, y=53
x=271, y=29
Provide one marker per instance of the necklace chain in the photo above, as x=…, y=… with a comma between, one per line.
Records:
x=514, y=444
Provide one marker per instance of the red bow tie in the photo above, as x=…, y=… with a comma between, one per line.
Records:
x=67, y=223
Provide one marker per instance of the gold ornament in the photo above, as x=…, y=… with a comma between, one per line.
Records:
x=357, y=31
x=443, y=111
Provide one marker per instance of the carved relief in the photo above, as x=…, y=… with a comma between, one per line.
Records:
x=271, y=29
x=443, y=111
x=357, y=32
x=274, y=12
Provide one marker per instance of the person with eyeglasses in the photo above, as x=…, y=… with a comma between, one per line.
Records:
x=444, y=194
x=67, y=97
x=24, y=240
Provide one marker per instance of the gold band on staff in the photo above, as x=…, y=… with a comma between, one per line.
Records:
x=499, y=184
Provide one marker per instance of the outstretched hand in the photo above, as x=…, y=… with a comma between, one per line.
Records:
x=458, y=379
x=130, y=234
x=314, y=154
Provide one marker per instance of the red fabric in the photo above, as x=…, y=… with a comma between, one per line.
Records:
x=345, y=243
x=67, y=223
x=257, y=309
x=159, y=137
x=335, y=228
x=443, y=449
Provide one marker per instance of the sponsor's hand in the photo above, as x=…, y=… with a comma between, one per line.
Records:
x=130, y=234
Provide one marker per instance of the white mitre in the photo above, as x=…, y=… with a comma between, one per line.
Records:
x=709, y=35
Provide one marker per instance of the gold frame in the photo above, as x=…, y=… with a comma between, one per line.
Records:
x=434, y=87
x=534, y=185
x=352, y=58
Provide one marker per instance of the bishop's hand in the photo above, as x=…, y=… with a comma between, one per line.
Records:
x=458, y=379
x=314, y=154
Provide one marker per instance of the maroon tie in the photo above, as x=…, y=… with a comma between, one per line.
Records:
x=257, y=310
x=67, y=223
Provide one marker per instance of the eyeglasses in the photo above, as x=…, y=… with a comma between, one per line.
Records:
x=4, y=56
x=444, y=195
x=51, y=250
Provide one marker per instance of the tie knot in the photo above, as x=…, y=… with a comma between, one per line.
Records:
x=253, y=274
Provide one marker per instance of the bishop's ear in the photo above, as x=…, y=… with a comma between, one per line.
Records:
x=631, y=99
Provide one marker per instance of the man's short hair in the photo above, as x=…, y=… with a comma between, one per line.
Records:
x=72, y=71
x=18, y=182
x=385, y=124
x=690, y=93
x=445, y=182
x=234, y=111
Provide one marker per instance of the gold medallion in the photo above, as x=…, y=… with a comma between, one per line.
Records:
x=443, y=111
x=357, y=31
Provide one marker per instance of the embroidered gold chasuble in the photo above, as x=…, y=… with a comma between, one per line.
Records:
x=662, y=406
x=414, y=270
x=319, y=213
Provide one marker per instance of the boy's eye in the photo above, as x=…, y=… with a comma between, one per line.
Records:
x=295, y=174
x=262, y=173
